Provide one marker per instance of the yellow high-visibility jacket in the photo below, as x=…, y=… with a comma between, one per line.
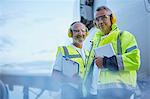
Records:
x=73, y=54
x=121, y=69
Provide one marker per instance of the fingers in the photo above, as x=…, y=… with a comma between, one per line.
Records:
x=99, y=62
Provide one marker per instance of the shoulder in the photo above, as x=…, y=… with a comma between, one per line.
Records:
x=60, y=49
x=128, y=39
x=127, y=35
x=65, y=48
x=97, y=35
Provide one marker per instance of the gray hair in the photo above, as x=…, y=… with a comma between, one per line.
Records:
x=105, y=8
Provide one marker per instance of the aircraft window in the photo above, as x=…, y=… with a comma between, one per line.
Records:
x=86, y=12
x=89, y=2
x=147, y=5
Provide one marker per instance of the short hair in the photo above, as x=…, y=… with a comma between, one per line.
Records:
x=75, y=23
x=105, y=8
x=71, y=26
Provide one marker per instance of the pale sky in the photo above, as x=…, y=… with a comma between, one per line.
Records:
x=31, y=30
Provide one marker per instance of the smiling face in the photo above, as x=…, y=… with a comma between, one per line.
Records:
x=78, y=33
x=103, y=21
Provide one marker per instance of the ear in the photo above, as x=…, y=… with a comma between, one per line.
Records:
x=69, y=33
x=113, y=18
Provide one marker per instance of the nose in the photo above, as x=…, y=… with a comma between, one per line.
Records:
x=100, y=21
x=80, y=32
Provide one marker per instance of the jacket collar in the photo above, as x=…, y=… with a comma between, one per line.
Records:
x=113, y=27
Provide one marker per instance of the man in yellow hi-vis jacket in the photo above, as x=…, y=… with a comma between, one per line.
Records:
x=75, y=52
x=118, y=74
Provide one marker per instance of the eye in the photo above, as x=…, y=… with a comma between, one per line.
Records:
x=103, y=18
x=82, y=30
x=76, y=30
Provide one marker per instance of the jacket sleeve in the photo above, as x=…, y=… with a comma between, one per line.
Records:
x=130, y=58
x=58, y=61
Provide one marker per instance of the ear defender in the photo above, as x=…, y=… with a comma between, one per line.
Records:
x=87, y=33
x=69, y=33
x=113, y=18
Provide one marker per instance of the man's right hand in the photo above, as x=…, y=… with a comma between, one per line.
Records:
x=99, y=62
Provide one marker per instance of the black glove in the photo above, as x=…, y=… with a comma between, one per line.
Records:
x=110, y=63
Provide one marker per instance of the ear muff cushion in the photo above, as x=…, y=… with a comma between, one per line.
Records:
x=87, y=33
x=69, y=33
x=113, y=18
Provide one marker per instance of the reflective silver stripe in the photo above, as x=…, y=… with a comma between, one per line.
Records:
x=86, y=55
x=66, y=51
x=74, y=56
x=131, y=48
x=119, y=51
x=70, y=56
x=120, y=62
x=119, y=44
x=116, y=85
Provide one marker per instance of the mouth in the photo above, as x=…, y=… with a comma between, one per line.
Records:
x=102, y=26
x=80, y=38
